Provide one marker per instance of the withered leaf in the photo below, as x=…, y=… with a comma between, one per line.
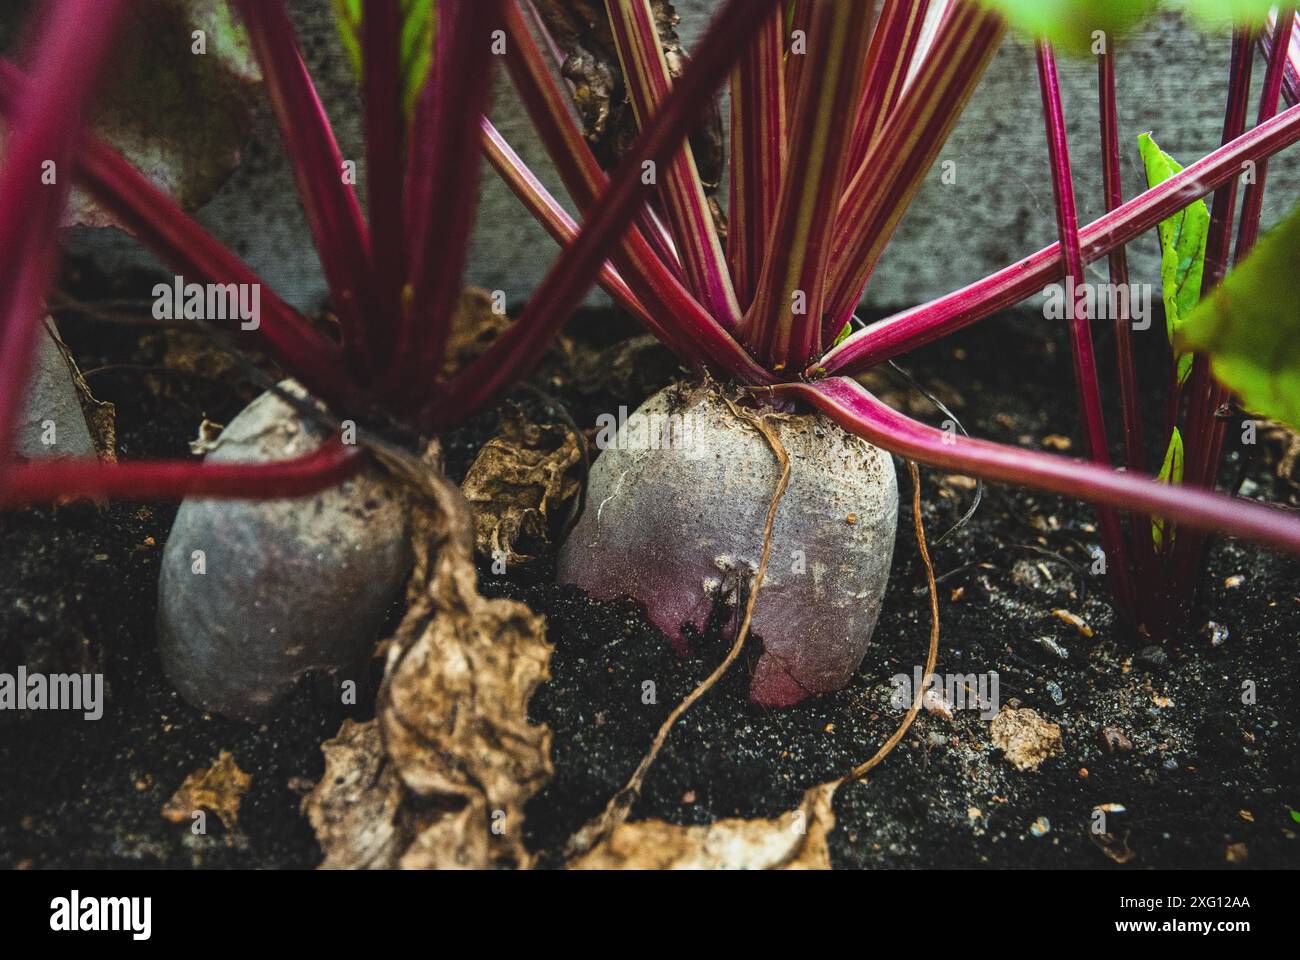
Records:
x=474, y=325
x=101, y=416
x=440, y=778
x=1283, y=445
x=218, y=788
x=356, y=808
x=795, y=840
x=517, y=484
x=635, y=367
x=581, y=30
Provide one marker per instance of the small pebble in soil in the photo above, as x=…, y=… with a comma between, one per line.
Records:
x=1074, y=620
x=1234, y=581
x=1215, y=633
x=1052, y=647
x=1054, y=691
x=1153, y=657
x=1113, y=740
x=1040, y=827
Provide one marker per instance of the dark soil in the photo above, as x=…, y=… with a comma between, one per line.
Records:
x=1210, y=780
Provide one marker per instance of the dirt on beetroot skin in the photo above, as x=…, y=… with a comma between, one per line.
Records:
x=1209, y=780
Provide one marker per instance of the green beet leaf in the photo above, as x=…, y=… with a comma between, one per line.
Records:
x=416, y=47
x=1171, y=471
x=1182, y=249
x=1249, y=326
x=1073, y=25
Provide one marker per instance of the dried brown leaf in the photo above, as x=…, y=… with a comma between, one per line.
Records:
x=520, y=480
x=218, y=788
x=581, y=30
x=442, y=778
x=636, y=367
x=474, y=326
x=356, y=808
x=795, y=840
x=100, y=415
x=1283, y=444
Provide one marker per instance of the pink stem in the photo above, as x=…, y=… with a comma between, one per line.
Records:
x=1211, y=428
x=646, y=77
x=758, y=149
x=564, y=141
x=1118, y=262
x=893, y=42
x=73, y=42
x=155, y=219
x=931, y=321
x=796, y=15
x=442, y=186
x=45, y=480
x=850, y=405
x=385, y=125
x=512, y=356
x=330, y=203
x=784, y=323
x=1219, y=238
x=884, y=184
x=670, y=311
x=1118, y=571
x=1252, y=202
x=682, y=325
x=1205, y=396
x=547, y=211
x=1291, y=65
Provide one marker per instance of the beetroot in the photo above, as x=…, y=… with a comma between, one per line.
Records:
x=675, y=510
x=254, y=594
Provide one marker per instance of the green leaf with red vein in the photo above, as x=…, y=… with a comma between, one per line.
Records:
x=1182, y=249
x=1171, y=472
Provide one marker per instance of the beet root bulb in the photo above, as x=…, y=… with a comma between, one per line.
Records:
x=674, y=517
x=254, y=594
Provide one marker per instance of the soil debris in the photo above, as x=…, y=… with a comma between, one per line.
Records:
x=218, y=788
x=1025, y=737
x=1074, y=620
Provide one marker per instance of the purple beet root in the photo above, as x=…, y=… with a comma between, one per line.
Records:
x=676, y=505
x=253, y=594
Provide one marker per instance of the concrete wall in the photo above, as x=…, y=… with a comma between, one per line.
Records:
x=1171, y=81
